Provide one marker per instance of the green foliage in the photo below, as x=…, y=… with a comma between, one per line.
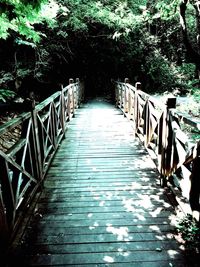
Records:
x=167, y=9
x=55, y=38
x=5, y=77
x=21, y=17
x=6, y=95
x=162, y=72
x=188, y=228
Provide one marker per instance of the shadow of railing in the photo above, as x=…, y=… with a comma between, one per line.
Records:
x=162, y=130
x=25, y=161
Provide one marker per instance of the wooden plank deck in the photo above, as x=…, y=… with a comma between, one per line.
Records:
x=101, y=204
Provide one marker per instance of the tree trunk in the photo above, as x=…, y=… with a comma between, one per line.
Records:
x=193, y=56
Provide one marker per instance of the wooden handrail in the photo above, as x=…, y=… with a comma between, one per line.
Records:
x=23, y=165
x=160, y=128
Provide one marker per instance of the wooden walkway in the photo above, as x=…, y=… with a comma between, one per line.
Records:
x=101, y=204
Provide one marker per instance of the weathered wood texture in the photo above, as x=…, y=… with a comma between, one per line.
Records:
x=26, y=159
x=101, y=204
x=166, y=134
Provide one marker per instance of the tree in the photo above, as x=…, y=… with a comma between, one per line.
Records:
x=193, y=50
x=52, y=40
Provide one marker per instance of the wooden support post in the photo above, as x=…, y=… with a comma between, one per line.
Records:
x=147, y=124
x=117, y=95
x=167, y=140
x=69, y=99
x=62, y=111
x=72, y=100
x=7, y=202
x=71, y=80
x=36, y=143
x=126, y=98
x=78, y=93
x=136, y=106
x=194, y=195
x=4, y=231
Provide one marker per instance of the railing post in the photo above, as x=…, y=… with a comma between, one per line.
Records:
x=120, y=94
x=4, y=229
x=71, y=81
x=147, y=124
x=136, y=106
x=194, y=195
x=62, y=110
x=78, y=93
x=126, y=98
x=117, y=94
x=167, y=140
x=36, y=142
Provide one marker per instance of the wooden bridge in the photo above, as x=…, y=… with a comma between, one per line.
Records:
x=93, y=184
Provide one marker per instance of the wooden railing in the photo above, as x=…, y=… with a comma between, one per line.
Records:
x=24, y=164
x=160, y=127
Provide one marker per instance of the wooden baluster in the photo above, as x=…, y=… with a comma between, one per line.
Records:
x=36, y=142
x=62, y=110
x=136, y=106
x=147, y=124
x=118, y=95
x=70, y=100
x=117, y=101
x=126, y=98
x=82, y=90
x=123, y=98
x=78, y=93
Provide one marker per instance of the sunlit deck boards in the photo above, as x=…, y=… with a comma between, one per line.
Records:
x=102, y=204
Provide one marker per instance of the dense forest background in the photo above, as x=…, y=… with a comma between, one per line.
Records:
x=43, y=43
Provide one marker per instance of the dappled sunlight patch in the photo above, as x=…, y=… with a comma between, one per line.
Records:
x=156, y=212
x=96, y=197
x=134, y=185
x=161, y=237
x=102, y=203
x=172, y=253
x=154, y=228
x=169, y=236
x=143, y=162
x=145, y=179
x=123, y=253
x=121, y=232
x=166, y=205
x=92, y=227
x=95, y=225
x=90, y=215
x=145, y=201
x=128, y=205
x=140, y=217
x=157, y=197
x=174, y=218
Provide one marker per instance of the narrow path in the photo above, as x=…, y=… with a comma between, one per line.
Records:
x=102, y=204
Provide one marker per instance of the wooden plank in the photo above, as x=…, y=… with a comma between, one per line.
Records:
x=103, y=247
x=100, y=258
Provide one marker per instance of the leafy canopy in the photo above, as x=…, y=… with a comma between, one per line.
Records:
x=22, y=17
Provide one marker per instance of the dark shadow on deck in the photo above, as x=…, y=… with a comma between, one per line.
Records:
x=102, y=204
